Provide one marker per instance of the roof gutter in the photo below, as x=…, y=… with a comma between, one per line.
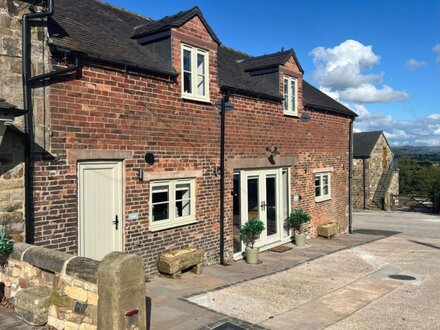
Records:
x=324, y=108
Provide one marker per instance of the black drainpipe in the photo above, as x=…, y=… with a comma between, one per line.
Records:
x=28, y=82
x=350, y=179
x=364, y=181
x=225, y=99
x=29, y=128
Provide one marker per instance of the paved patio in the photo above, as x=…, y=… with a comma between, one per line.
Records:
x=170, y=310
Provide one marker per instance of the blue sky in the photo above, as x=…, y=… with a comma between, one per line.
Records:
x=380, y=58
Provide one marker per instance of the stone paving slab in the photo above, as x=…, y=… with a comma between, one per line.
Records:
x=333, y=307
x=9, y=321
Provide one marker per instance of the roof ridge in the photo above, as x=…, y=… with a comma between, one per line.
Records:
x=123, y=10
x=182, y=12
x=237, y=51
x=270, y=55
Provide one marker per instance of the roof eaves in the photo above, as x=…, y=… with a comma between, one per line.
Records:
x=124, y=65
x=347, y=112
x=234, y=90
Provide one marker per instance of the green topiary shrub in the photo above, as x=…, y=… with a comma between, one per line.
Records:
x=298, y=217
x=251, y=231
x=6, y=243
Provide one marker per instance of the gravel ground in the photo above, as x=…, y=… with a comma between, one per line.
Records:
x=261, y=299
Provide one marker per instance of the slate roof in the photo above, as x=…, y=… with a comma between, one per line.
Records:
x=270, y=60
x=231, y=75
x=364, y=142
x=103, y=32
x=173, y=21
x=315, y=99
x=10, y=108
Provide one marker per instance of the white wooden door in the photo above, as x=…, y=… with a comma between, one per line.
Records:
x=100, y=224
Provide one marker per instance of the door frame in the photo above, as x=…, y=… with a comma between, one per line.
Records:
x=244, y=174
x=120, y=208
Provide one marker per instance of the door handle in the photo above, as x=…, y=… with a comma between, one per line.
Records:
x=263, y=205
x=116, y=222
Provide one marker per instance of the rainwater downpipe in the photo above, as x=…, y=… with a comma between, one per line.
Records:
x=364, y=181
x=350, y=179
x=29, y=127
x=225, y=99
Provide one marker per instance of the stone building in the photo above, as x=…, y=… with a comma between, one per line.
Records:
x=129, y=141
x=375, y=173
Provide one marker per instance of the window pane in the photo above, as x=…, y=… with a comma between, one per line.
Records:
x=160, y=194
x=183, y=208
x=325, y=179
x=286, y=94
x=201, y=64
x=317, y=186
x=201, y=85
x=325, y=190
x=183, y=191
x=293, y=100
x=186, y=60
x=187, y=82
x=160, y=212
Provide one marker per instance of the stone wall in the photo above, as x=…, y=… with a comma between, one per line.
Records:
x=12, y=150
x=12, y=185
x=74, y=299
x=358, y=183
x=375, y=167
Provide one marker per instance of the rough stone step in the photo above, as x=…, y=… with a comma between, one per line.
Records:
x=326, y=310
x=32, y=304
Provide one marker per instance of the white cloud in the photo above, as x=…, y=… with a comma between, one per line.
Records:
x=368, y=93
x=413, y=64
x=340, y=72
x=422, y=131
x=436, y=50
x=434, y=116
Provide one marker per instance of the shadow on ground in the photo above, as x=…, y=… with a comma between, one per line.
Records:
x=376, y=232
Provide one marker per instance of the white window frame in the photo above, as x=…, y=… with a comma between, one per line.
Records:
x=322, y=197
x=194, y=52
x=172, y=220
x=292, y=109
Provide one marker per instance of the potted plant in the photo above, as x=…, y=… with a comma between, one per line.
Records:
x=297, y=218
x=6, y=246
x=249, y=233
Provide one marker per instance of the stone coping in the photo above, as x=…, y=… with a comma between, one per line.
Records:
x=56, y=261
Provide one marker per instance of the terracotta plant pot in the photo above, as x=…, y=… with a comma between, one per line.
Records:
x=300, y=240
x=252, y=255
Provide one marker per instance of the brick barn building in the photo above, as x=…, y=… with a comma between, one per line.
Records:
x=129, y=139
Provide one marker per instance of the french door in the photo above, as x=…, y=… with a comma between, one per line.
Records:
x=262, y=194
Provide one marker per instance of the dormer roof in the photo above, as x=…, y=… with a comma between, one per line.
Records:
x=174, y=21
x=270, y=60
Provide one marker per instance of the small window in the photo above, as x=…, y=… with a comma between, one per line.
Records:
x=172, y=203
x=290, y=96
x=322, y=187
x=195, y=77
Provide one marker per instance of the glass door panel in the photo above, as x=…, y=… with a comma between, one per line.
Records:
x=271, y=205
x=253, y=209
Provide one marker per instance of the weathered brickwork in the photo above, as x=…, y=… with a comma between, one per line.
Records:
x=107, y=113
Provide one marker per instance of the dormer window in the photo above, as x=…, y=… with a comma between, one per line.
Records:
x=195, y=73
x=290, y=96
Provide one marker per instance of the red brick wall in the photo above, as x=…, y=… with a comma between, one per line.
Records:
x=108, y=110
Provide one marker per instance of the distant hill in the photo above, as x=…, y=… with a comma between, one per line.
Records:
x=422, y=153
